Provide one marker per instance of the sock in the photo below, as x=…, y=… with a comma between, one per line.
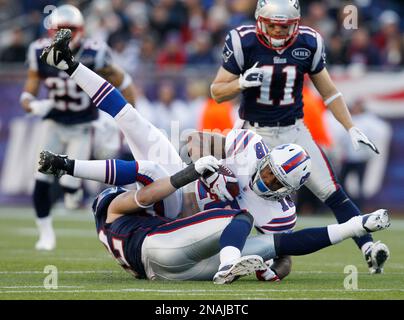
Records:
x=233, y=239
x=344, y=209
x=301, y=242
x=103, y=94
x=41, y=198
x=351, y=228
x=114, y=172
x=228, y=255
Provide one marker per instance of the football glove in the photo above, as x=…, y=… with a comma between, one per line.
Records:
x=357, y=136
x=217, y=185
x=41, y=107
x=206, y=163
x=251, y=78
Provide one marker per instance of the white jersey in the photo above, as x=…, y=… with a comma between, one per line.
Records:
x=244, y=149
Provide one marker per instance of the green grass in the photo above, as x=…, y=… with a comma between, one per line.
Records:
x=86, y=271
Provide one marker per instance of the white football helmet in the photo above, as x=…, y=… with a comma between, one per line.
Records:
x=67, y=17
x=290, y=164
x=277, y=12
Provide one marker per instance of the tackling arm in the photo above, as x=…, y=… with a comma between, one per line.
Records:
x=131, y=201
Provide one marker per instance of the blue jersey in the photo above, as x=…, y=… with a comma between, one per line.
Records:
x=279, y=98
x=124, y=237
x=72, y=104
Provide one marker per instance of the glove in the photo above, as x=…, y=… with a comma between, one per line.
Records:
x=217, y=185
x=206, y=163
x=251, y=78
x=41, y=107
x=357, y=136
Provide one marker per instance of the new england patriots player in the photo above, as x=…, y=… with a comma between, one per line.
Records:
x=266, y=64
x=190, y=259
x=68, y=113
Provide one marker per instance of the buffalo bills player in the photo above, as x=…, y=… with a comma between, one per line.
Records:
x=68, y=113
x=267, y=63
x=212, y=243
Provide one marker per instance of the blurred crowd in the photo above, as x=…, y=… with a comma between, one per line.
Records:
x=173, y=34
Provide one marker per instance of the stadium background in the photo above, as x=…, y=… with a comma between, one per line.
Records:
x=172, y=49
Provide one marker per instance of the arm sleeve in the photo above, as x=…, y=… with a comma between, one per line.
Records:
x=319, y=58
x=232, y=55
x=32, y=58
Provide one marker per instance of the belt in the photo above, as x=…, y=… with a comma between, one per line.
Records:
x=284, y=123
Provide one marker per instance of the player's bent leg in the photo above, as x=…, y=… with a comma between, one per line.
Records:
x=313, y=239
x=324, y=184
x=113, y=172
x=193, y=245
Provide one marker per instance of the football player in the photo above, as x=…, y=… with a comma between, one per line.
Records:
x=119, y=172
x=68, y=113
x=266, y=64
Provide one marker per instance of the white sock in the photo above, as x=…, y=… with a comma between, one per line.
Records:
x=228, y=255
x=95, y=170
x=88, y=80
x=352, y=228
x=45, y=225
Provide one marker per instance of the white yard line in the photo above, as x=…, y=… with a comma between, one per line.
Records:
x=200, y=292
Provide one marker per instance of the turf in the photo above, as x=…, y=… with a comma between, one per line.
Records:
x=86, y=271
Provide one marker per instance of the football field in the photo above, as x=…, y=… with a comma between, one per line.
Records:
x=86, y=271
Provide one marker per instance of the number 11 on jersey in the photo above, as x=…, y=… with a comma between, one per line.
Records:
x=265, y=95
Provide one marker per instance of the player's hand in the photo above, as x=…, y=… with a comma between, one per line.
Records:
x=41, y=107
x=206, y=163
x=357, y=136
x=217, y=185
x=251, y=78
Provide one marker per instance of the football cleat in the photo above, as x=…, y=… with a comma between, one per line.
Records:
x=376, y=221
x=58, y=54
x=241, y=267
x=376, y=255
x=51, y=163
x=47, y=238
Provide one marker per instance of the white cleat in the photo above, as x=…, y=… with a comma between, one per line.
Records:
x=376, y=255
x=375, y=221
x=241, y=267
x=45, y=244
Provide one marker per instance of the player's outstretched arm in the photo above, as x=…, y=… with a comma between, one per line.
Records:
x=129, y=202
x=335, y=102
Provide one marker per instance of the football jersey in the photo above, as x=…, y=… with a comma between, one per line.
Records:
x=72, y=104
x=244, y=149
x=124, y=237
x=279, y=98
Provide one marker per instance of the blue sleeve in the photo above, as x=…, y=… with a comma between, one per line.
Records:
x=319, y=58
x=232, y=53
